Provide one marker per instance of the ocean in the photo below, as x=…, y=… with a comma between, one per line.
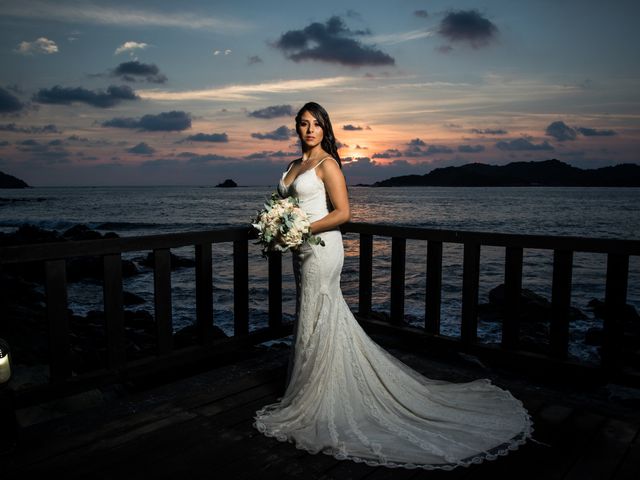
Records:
x=134, y=211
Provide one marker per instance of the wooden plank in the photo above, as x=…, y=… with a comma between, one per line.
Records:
x=113, y=310
x=366, y=275
x=560, y=303
x=58, y=319
x=240, y=287
x=398, y=258
x=275, y=289
x=162, y=300
x=629, y=468
x=433, y=297
x=615, y=299
x=512, y=290
x=204, y=293
x=604, y=454
x=470, y=282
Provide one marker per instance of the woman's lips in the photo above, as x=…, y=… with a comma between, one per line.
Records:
x=309, y=138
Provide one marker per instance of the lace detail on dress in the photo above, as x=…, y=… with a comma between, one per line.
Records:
x=345, y=390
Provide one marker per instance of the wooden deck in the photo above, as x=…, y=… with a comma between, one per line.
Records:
x=200, y=427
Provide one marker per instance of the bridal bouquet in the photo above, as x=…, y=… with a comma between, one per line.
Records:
x=283, y=225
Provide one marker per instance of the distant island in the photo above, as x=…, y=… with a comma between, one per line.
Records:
x=228, y=183
x=521, y=174
x=9, y=181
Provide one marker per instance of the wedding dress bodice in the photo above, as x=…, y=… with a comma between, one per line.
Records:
x=310, y=190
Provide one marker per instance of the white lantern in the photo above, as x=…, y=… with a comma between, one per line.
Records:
x=5, y=362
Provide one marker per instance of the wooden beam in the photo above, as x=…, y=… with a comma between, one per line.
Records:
x=398, y=259
x=433, y=296
x=58, y=319
x=204, y=293
x=470, y=281
x=113, y=310
x=560, y=303
x=162, y=300
x=366, y=275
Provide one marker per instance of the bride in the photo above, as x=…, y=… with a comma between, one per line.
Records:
x=346, y=396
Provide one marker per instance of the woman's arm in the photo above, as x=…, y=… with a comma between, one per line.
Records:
x=334, y=182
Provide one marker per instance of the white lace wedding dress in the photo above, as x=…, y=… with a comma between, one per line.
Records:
x=348, y=397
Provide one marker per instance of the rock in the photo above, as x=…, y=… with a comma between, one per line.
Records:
x=9, y=181
x=228, y=183
x=176, y=261
x=188, y=336
x=129, y=298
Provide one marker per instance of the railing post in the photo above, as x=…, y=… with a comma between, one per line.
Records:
x=275, y=290
x=59, y=341
x=204, y=293
x=615, y=301
x=366, y=275
x=512, y=289
x=240, y=287
x=113, y=310
x=470, y=280
x=398, y=258
x=434, y=287
x=162, y=299
x=560, y=303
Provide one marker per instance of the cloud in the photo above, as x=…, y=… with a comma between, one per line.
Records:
x=3, y=143
x=415, y=148
x=592, y=132
x=330, y=42
x=206, y=137
x=48, y=153
x=521, y=144
x=210, y=157
x=253, y=59
x=444, y=49
x=388, y=153
x=130, y=47
x=41, y=45
x=273, y=111
x=160, y=162
x=119, y=16
x=162, y=122
x=271, y=154
x=470, y=148
x=9, y=103
x=12, y=127
x=421, y=13
x=141, y=149
x=468, y=26
x=280, y=133
x=489, y=131
x=248, y=91
x=66, y=96
x=135, y=70
x=350, y=127
x=560, y=131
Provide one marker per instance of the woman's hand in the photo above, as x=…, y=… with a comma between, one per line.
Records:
x=336, y=186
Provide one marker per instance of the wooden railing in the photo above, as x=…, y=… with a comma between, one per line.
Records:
x=54, y=256
x=563, y=247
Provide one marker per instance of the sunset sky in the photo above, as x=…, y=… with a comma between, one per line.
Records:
x=194, y=92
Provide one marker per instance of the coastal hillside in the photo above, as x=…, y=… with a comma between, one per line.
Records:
x=9, y=181
x=544, y=173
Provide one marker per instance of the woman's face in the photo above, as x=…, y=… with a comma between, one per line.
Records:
x=309, y=130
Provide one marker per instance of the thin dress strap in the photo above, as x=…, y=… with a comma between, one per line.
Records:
x=328, y=156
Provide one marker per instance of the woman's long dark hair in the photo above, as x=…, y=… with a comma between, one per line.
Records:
x=328, y=138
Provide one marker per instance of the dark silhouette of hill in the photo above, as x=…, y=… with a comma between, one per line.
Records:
x=9, y=181
x=515, y=174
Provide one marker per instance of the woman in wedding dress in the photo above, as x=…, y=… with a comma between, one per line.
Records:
x=346, y=396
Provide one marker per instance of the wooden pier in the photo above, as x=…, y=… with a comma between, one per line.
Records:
x=188, y=411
